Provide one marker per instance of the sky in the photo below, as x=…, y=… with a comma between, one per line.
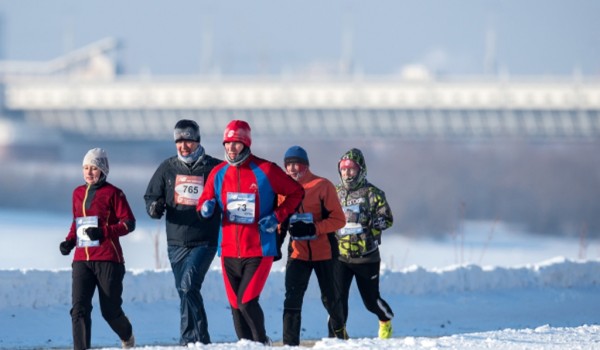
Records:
x=503, y=291
x=470, y=37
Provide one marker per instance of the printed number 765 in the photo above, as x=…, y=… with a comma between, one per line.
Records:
x=190, y=189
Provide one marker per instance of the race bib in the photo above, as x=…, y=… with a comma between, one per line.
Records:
x=306, y=217
x=241, y=207
x=353, y=227
x=82, y=223
x=188, y=189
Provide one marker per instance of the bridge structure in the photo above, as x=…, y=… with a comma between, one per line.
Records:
x=94, y=102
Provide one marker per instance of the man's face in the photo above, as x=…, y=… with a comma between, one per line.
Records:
x=296, y=170
x=185, y=148
x=348, y=170
x=233, y=149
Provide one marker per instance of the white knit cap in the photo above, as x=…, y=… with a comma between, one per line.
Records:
x=97, y=157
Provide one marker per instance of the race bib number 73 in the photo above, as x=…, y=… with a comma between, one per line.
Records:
x=241, y=207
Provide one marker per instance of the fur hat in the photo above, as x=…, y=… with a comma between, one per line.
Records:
x=98, y=158
x=186, y=130
x=238, y=130
x=295, y=154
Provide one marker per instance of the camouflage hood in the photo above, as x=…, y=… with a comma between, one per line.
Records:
x=359, y=180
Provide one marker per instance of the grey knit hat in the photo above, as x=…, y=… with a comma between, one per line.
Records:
x=98, y=158
x=186, y=130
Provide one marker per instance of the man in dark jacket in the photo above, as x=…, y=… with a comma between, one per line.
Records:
x=192, y=244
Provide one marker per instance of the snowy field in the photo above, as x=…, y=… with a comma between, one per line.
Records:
x=487, y=287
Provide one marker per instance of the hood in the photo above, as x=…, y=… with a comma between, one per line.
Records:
x=355, y=155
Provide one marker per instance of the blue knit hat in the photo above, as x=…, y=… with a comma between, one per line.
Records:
x=295, y=154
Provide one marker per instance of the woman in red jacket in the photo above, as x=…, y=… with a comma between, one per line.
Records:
x=101, y=214
x=246, y=187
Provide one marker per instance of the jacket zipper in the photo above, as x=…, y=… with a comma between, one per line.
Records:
x=301, y=210
x=87, y=189
x=237, y=232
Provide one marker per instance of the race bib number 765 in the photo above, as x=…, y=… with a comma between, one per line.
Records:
x=188, y=189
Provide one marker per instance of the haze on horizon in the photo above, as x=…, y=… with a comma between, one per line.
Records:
x=234, y=37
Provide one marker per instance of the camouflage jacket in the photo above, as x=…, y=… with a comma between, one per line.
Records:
x=367, y=215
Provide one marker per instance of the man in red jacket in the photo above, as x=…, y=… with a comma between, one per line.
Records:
x=101, y=214
x=245, y=187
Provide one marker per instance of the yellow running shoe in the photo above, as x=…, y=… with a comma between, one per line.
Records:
x=385, y=329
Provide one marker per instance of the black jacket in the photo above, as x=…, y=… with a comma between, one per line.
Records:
x=184, y=227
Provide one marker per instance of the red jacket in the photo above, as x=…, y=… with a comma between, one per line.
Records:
x=115, y=218
x=320, y=199
x=251, y=187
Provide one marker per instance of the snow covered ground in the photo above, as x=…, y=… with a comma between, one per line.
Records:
x=486, y=288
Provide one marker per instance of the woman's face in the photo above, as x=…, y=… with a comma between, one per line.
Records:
x=91, y=174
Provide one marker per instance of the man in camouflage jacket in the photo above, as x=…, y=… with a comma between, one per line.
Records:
x=367, y=215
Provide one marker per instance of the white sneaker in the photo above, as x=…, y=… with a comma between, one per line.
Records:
x=128, y=344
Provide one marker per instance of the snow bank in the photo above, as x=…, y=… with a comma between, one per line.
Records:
x=39, y=288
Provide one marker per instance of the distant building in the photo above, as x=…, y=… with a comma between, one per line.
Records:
x=81, y=94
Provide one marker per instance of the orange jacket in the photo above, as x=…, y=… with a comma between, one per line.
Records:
x=320, y=199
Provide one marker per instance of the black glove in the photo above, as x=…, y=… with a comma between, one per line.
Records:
x=278, y=256
x=282, y=233
x=302, y=231
x=157, y=208
x=95, y=233
x=66, y=247
x=279, y=240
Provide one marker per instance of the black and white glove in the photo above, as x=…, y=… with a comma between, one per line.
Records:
x=157, y=208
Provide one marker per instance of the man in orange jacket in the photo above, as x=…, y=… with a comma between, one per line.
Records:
x=312, y=246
